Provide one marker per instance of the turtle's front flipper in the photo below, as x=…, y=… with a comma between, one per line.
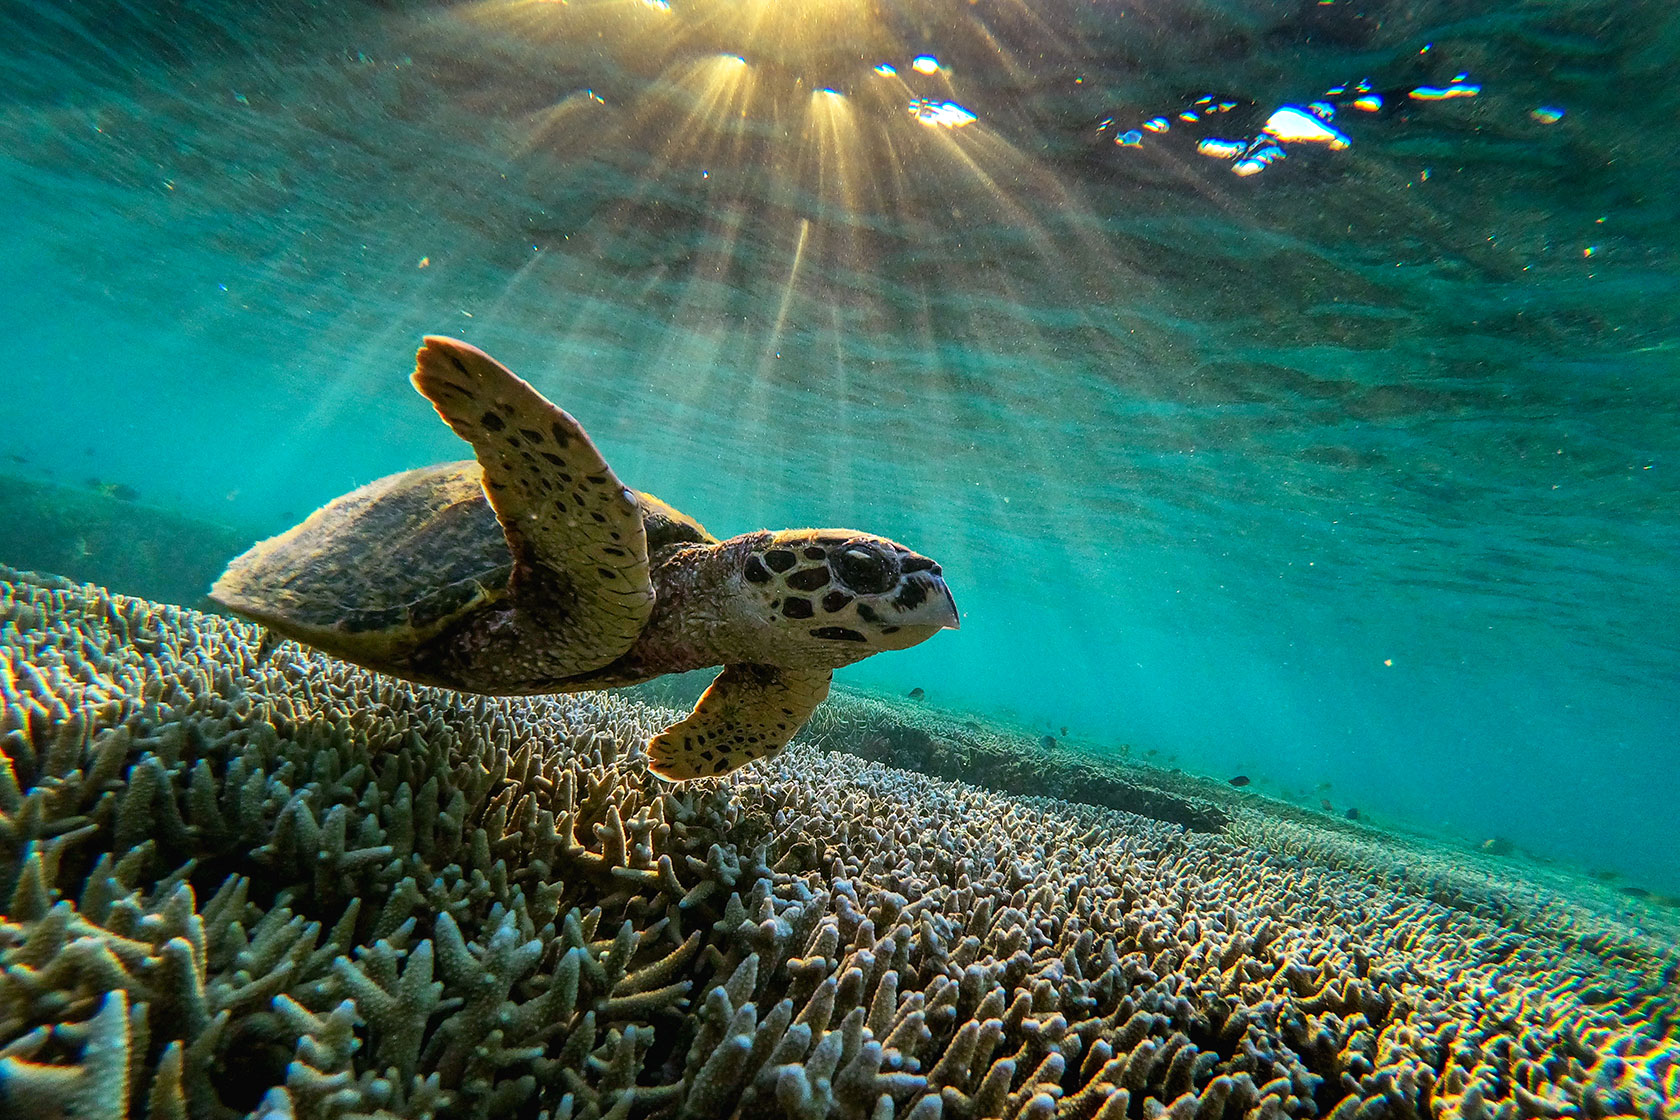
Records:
x=574, y=530
x=749, y=712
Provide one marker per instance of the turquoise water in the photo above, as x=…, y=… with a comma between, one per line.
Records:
x=1355, y=475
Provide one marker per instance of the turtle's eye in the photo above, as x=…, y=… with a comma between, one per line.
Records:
x=863, y=569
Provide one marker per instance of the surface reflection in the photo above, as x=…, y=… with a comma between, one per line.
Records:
x=1287, y=126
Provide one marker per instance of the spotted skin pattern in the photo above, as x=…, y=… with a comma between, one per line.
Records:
x=574, y=529
x=843, y=595
x=749, y=712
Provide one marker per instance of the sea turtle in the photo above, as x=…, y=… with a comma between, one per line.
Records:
x=534, y=569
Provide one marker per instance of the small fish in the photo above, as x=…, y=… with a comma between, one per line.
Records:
x=1352, y=814
x=1064, y=733
x=1324, y=803
x=1049, y=742
x=917, y=693
x=1240, y=780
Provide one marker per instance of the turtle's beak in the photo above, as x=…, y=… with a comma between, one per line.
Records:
x=954, y=620
x=937, y=609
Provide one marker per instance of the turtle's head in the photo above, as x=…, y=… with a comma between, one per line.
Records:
x=822, y=598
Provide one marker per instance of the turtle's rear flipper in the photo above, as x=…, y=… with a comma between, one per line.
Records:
x=574, y=530
x=749, y=712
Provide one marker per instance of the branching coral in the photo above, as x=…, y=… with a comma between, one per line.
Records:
x=282, y=887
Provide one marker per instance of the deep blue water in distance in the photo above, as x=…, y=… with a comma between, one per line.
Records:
x=1356, y=474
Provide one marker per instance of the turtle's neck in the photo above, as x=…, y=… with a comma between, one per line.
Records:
x=693, y=625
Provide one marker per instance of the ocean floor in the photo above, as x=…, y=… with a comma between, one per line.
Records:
x=285, y=887
x=109, y=534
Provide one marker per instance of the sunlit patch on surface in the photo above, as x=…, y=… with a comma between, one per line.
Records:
x=1460, y=86
x=1221, y=149
x=1287, y=125
x=1547, y=114
x=941, y=114
x=1257, y=159
x=1290, y=125
x=886, y=69
x=925, y=64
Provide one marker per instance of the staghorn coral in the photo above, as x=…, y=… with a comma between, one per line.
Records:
x=285, y=888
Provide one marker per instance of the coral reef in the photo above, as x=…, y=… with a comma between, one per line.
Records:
x=915, y=737
x=282, y=887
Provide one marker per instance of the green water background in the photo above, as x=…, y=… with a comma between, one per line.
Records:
x=1357, y=477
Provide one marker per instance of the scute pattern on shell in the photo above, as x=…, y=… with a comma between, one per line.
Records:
x=290, y=888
